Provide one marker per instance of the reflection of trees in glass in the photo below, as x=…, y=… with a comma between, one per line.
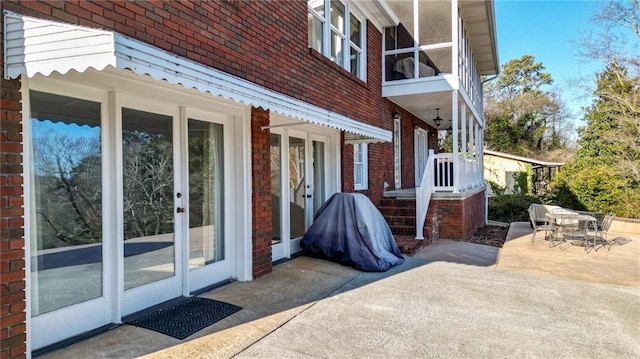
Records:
x=68, y=182
x=148, y=183
x=275, y=158
x=198, y=147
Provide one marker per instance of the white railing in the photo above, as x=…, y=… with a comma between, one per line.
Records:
x=466, y=172
x=423, y=196
x=439, y=175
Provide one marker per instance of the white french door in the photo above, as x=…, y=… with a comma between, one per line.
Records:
x=128, y=202
x=300, y=184
x=174, y=173
x=152, y=205
x=208, y=169
x=420, y=154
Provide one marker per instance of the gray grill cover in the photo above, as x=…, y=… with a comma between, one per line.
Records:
x=350, y=230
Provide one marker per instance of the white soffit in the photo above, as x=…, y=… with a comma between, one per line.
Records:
x=36, y=46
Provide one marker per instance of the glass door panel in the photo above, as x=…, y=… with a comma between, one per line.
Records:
x=319, y=176
x=148, y=193
x=66, y=192
x=297, y=187
x=206, y=193
x=276, y=187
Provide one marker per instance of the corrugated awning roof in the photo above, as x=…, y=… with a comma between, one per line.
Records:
x=36, y=46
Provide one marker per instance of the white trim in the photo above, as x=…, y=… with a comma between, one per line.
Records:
x=378, y=12
x=244, y=264
x=121, y=52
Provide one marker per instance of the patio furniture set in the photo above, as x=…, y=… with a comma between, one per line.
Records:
x=561, y=225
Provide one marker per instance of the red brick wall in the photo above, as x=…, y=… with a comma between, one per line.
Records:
x=12, y=253
x=459, y=219
x=261, y=193
x=264, y=42
x=347, y=166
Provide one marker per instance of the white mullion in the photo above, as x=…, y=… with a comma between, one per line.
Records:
x=346, y=41
x=182, y=222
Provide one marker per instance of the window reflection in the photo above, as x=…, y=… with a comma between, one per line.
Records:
x=66, y=176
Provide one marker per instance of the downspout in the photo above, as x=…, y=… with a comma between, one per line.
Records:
x=486, y=193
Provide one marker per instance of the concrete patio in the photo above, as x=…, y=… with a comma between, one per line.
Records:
x=452, y=299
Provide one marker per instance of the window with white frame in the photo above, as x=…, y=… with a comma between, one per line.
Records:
x=360, y=175
x=396, y=153
x=337, y=32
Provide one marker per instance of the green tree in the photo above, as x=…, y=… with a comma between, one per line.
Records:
x=522, y=117
x=604, y=175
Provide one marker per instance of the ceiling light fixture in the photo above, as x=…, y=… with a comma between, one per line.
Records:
x=437, y=120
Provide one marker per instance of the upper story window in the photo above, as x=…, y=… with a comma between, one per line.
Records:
x=337, y=32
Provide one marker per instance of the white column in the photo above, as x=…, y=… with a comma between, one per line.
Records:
x=455, y=126
x=455, y=21
x=471, y=122
x=416, y=35
x=463, y=122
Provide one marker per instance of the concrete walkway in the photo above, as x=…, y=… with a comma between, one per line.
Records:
x=451, y=300
x=620, y=265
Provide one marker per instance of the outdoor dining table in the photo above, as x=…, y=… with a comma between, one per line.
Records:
x=567, y=223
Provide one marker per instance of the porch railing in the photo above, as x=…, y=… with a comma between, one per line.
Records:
x=455, y=174
x=449, y=173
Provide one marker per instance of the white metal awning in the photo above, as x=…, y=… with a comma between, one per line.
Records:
x=36, y=46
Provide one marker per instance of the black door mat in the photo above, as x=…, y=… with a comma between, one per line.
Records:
x=182, y=318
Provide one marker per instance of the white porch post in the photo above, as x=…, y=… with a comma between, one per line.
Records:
x=455, y=21
x=472, y=136
x=463, y=127
x=456, y=152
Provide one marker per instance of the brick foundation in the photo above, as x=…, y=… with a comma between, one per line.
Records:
x=460, y=217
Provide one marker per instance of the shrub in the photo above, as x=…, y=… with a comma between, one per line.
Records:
x=510, y=207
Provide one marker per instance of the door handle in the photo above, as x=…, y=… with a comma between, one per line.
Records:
x=180, y=210
x=308, y=195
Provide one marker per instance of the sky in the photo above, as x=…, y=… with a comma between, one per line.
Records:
x=550, y=30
